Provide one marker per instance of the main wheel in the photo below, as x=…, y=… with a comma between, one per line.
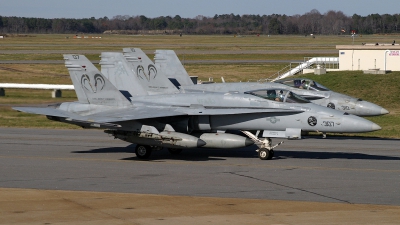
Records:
x=263, y=154
x=143, y=151
x=174, y=151
x=271, y=154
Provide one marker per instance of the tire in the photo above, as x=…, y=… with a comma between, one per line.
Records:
x=143, y=151
x=263, y=154
x=174, y=151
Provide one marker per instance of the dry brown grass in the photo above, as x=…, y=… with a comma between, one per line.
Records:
x=34, y=74
x=209, y=42
x=199, y=48
x=233, y=72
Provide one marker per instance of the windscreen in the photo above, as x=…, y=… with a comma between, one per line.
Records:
x=278, y=95
x=306, y=84
x=317, y=86
x=293, y=98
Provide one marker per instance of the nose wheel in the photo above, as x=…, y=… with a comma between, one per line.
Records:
x=265, y=154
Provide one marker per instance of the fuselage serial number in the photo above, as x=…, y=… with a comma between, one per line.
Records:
x=328, y=123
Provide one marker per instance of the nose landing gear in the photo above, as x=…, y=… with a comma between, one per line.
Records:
x=266, y=150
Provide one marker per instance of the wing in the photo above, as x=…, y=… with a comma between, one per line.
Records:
x=45, y=111
x=237, y=111
x=109, y=116
x=149, y=112
x=146, y=112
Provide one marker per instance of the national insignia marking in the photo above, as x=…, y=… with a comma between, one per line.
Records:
x=273, y=119
x=312, y=121
x=331, y=105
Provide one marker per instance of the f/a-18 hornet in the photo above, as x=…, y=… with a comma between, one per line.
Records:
x=306, y=88
x=156, y=82
x=185, y=120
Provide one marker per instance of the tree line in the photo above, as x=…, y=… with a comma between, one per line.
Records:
x=313, y=22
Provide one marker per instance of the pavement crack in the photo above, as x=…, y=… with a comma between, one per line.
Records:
x=294, y=188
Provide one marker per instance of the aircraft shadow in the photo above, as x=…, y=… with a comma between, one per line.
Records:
x=109, y=150
x=199, y=154
x=282, y=154
x=196, y=154
x=349, y=138
x=202, y=154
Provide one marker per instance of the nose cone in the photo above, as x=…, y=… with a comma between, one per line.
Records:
x=375, y=127
x=384, y=111
x=248, y=142
x=364, y=108
x=355, y=124
x=200, y=143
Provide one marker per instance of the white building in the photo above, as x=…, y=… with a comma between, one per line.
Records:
x=379, y=57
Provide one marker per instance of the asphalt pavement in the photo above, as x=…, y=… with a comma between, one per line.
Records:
x=339, y=170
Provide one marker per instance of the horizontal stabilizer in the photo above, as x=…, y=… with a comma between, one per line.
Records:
x=109, y=116
x=45, y=111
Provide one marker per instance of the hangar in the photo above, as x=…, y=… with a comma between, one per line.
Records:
x=375, y=58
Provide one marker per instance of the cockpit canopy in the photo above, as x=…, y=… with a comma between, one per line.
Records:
x=278, y=95
x=301, y=83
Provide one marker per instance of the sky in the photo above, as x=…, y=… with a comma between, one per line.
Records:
x=188, y=8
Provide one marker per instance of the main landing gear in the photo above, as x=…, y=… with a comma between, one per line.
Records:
x=143, y=151
x=266, y=151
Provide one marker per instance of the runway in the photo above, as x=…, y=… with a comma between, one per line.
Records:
x=177, y=51
x=337, y=170
x=185, y=62
x=86, y=177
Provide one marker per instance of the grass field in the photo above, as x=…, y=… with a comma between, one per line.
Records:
x=54, y=41
x=380, y=89
x=182, y=57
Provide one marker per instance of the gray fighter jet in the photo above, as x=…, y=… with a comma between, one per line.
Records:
x=187, y=120
x=156, y=82
x=306, y=88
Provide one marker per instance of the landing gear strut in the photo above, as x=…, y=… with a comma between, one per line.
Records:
x=266, y=151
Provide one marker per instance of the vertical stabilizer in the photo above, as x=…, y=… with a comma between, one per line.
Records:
x=121, y=74
x=169, y=62
x=90, y=85
x=150, y=76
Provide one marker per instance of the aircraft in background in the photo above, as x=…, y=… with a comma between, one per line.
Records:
x=168, y=61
